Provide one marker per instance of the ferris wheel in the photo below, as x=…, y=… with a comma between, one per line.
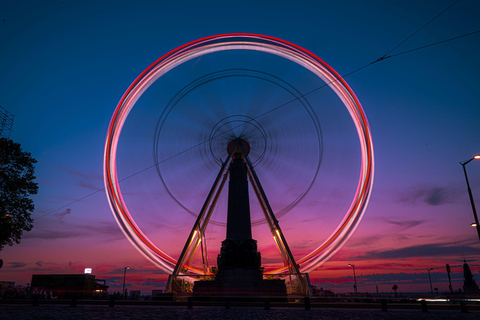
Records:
x=253, y=92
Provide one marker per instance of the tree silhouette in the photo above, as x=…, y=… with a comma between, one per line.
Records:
x=16, y=185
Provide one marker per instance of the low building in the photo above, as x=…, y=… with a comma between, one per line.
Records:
x=67, y=286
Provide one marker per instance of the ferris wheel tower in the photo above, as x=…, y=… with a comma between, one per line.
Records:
x=238, y=269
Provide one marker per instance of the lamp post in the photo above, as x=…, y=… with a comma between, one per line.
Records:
x=477, y=224
x=124, y=276
x=430, y=278
x=354, y=278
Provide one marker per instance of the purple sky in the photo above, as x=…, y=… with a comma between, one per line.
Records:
x=66, y=64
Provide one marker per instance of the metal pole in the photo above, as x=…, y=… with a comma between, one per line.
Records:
x=354, y=278
x=471, y=197
x=124, y=276
x=430, y=278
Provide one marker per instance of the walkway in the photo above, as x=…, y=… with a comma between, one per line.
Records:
x=96, y=312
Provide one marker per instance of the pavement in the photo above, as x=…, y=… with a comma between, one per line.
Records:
x=94, y=312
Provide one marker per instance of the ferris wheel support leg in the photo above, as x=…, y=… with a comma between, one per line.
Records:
x=209, y=214
x=194, y=234
x=268, y=219
x=200, y=240
x=293, y=266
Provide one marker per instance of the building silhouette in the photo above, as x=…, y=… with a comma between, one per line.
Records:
x=469, y=284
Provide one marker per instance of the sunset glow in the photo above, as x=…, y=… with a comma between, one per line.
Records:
x=140, y=100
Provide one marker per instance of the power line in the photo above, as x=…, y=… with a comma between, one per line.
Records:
x=438, y=15
x=432, y=44
x=358, y=69
x=73, y=202
x=265, y=113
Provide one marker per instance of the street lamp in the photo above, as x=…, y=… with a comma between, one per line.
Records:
x=124, y=276
x=477, y=224
x=430, y=278
x=354, y=278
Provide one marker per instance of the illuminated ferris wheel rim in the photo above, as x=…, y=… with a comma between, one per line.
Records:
x=218, y=130
x=226, y=42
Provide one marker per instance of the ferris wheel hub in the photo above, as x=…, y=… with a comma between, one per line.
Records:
x=238, y=141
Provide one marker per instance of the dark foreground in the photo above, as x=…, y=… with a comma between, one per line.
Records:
x=94, y=312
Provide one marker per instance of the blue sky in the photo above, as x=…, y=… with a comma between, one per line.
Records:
x=66, y=64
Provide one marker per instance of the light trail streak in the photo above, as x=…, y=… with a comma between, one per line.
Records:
x=226, y=42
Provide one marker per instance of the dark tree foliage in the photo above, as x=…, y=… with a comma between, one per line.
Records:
x=16, y=185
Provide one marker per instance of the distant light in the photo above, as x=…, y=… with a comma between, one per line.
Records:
x=446, y=300
x=435, y=300
x=477, y=156
x=473, y=224
x=88, y=270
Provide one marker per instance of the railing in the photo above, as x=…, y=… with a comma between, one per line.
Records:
x=295, y=286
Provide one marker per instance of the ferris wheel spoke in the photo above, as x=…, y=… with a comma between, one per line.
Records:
x=253, y=100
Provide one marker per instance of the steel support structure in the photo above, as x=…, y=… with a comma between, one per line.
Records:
x=198, y=230
x=279, y=238
x=196, y=238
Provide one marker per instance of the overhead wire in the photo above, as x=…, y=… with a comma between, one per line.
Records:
x=384, y=57
x=426, y=24
x=432, y=44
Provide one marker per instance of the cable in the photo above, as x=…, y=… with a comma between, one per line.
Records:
x=438, y=15
x=265, y=113
x=354, y=71
x=432, y=44
x=68, y=204
x=130, y=176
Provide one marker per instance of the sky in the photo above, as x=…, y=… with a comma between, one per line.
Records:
x=66, y=64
